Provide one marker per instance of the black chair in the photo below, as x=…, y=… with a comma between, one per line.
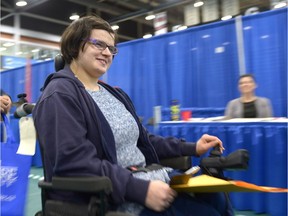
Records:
x=100, y=187
x=59, y=62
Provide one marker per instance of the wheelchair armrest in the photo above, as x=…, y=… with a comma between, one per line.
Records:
x=182, y=163
x=234, y=161
x=93, y=184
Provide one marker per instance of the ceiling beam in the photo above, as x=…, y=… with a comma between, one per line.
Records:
x=29, y=6
x=108, y=8
x=44, y=18
x=6, y=4
x=145, y=11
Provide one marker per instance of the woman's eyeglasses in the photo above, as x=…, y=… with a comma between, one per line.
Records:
x=101, y=45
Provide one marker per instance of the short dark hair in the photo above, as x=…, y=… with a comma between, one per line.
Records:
x=247, y=75
x=75, y=35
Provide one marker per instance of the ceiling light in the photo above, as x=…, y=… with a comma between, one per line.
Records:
x=115, y=27
x=280, y=5
x=147, y=36
x=74, y=16
x=21, y=3
x=3, y=48
x=182, y=27
x=175, y=28
x=8, y=44
x=35, y=50
x=226, y=17
x=198, y=3
x=150, y=17
x=178, y=28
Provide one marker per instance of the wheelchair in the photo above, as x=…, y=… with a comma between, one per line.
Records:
x=99, y=187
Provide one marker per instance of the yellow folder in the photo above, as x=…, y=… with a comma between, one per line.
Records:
x=205, y=183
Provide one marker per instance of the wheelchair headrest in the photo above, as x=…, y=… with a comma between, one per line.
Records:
x=59, y=62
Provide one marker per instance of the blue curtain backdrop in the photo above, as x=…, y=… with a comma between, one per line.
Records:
x=194, y=66
x=198, y=66
x=13, y=81
x=266, y=55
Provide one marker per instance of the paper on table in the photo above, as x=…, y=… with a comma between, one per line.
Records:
x=280, y=119
x=244, y=120
x=205, y=183
x=189, y=121
x=216, y=118
x=27, y=136
x=269, y=119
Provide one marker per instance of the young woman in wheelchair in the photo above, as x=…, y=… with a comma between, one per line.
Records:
x=88, y=128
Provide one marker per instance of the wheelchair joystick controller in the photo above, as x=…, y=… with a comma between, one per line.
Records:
x=21, y=100
x=215, y=152
x=216, y=163
x=214, y=156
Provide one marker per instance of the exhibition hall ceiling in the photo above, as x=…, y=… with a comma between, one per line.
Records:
x=51, y=17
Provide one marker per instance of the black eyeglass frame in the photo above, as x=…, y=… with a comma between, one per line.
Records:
x=101, y=45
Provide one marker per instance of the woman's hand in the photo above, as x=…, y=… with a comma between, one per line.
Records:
x=5, y=104
x=159, y=196
x=206, y=142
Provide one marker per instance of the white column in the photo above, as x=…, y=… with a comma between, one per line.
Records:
x=17, y=34
x=240, y=45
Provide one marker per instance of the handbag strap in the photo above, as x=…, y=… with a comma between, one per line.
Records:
x=9, y=134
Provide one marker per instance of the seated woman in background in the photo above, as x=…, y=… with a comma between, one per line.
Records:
x=248, y=105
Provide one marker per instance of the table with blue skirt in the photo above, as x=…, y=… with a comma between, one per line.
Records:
x=266, y=142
